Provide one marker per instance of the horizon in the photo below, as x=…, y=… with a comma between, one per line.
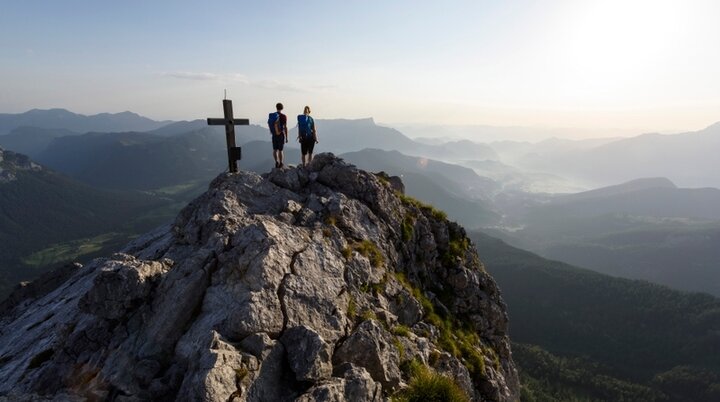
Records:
x=452, y=132
x=630, y=67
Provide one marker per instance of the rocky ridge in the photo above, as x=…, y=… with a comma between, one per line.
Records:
x=316, y=284
x=11, y=163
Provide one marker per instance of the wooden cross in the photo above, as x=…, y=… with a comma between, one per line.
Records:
x=234, y=152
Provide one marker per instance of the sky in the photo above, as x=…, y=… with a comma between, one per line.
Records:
x=600, y=66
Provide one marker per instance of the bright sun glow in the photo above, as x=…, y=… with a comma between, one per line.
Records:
x=608, y=44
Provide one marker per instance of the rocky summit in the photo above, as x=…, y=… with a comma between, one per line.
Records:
x=323, y=283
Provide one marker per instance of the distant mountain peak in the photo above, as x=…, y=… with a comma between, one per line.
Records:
x=649, y=182
x=623, y=188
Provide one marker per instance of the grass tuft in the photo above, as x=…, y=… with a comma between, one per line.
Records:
x=367, y=249
x=432, y=211
x=368, y=315
x=401, y=330
x=407, y=228
x=241, y=373
x=429, y=386
x=352, y=308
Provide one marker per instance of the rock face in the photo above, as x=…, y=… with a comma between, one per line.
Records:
x=315, y=284
x=11, y=163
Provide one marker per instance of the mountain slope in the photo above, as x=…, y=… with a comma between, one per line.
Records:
x=645, y=229
x=684, y=257
x=639, y=331
x=317, y=284
x=656, y=201
x=31, y=141
x=39, y=207
x=138, y=160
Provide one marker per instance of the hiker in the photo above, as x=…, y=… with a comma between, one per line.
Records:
x=277, y=122
x=307, y=135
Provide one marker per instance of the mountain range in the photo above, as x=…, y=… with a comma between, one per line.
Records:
x=570, y=326
x=687, y=159
x=644, y=229
x=64, y=119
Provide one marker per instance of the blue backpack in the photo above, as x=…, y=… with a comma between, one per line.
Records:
x=305, y=127
x=272, y=119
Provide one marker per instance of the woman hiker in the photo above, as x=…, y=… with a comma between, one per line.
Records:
x=307, y=135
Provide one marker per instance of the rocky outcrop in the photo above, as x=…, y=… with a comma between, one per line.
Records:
x=11, y=163
x=317, y=284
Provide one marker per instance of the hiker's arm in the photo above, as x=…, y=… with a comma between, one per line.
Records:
x=286, y=133
x=314, y=131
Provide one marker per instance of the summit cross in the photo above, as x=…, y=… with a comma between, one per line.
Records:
x=234, y=152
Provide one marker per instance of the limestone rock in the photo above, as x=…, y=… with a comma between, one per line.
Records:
x=370, y=347
x=307, y=353
x=296, y=285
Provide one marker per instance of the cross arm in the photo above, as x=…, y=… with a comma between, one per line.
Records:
x=222, y=122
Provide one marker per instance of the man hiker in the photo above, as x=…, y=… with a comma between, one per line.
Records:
x=307, y=135
x=277, y=122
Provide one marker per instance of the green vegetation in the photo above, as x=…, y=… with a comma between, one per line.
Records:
x=399, y=346
x=428, y=386
x=352, y=308
x=545, y=377
x=435, y=213
x=635, y=338
x=401, y=330
x=376, y=288
x=47, y=219
x=241, y=373
x=383, y=179
x=689, y=383
x=460, y=341
x=368, y=314
x=408, y=228
x=73, y=249
x=457, y=246
x=366, y=248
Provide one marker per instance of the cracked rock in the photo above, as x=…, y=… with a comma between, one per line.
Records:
x=287, y=286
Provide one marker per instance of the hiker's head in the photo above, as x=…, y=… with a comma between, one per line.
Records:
x=279, y=106
x=306, y=110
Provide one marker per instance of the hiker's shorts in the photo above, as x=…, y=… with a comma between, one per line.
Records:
x=307, y=146
x=278, y=142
